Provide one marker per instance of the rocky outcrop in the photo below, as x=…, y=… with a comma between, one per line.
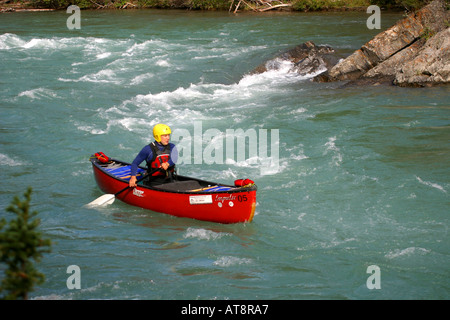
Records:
x=306, y=58
x=413, y=52
x=430, y=66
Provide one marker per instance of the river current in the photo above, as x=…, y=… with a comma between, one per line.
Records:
x=357, y=177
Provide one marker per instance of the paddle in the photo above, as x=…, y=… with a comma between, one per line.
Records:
x=109, y=198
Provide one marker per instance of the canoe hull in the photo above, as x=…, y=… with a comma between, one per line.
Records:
x=233, y=206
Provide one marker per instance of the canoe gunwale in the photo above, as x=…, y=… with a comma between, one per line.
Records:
x=217, y=203
x=233, y=189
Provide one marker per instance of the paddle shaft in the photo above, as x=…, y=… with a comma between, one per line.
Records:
x=140, y=179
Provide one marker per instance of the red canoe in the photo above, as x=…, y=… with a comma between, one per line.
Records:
x=183, y=197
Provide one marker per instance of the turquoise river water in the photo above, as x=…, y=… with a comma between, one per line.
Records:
x=355, y=177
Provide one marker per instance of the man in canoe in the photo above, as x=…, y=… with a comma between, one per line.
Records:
x=159, y=154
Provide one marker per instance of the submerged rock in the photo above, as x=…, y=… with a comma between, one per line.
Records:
x=306, y=58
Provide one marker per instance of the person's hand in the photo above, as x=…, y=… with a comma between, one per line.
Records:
x=132, y=182
x=165, y=166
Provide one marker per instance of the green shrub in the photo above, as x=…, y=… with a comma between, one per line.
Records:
x=299, y=5
x=404, y=4
x=208, y=4
x=317, y=5
x=21, y=244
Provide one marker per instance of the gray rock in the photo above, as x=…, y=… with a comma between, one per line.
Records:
x=402, y=53
x=392, y=65
x=430, y=66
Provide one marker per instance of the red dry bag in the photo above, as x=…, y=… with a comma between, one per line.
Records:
x=102, y=157
x=243, y=182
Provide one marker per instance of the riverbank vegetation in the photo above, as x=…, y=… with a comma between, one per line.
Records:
x=243, y=5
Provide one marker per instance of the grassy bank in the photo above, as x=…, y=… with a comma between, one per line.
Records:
x=295, y=5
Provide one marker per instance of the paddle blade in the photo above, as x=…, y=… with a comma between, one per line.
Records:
x=102, y=201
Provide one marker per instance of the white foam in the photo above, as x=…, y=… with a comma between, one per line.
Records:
x=203, y=234
x=163, y=63
x=145, y=47
x=279, y=72
x=228, y=261
x=38, y=93
x=406, y=252
x=227, y=174
x=196, y=100
x=5, y=160
x=9, y=41
x=103, y=55
x=105, y=76
x=141, y=78
x=12, y=41
x=91, y=129
x=431, y=184
x=102, y=76
x=331, y=146
x=41, y=43
x=297, y=155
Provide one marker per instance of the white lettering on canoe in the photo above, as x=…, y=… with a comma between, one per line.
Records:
x=138, y=193
x=227, y=198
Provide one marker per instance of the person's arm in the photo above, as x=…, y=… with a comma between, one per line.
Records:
x=132, y=182
x=143, y=155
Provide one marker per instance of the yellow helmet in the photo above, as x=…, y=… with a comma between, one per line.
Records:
x=159, y=130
